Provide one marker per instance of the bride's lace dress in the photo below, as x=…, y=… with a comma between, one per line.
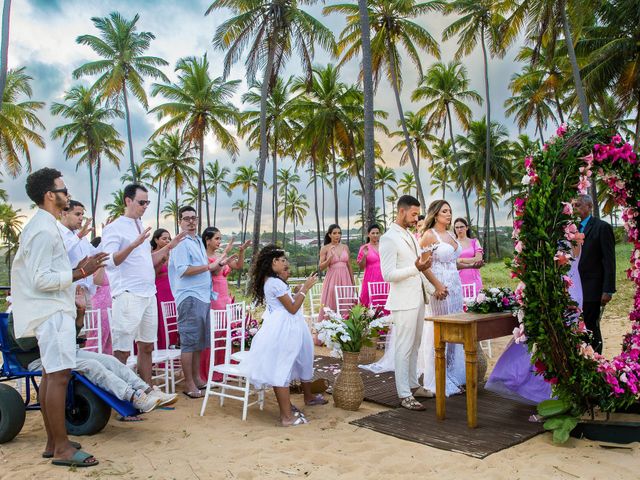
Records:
x=445, y=269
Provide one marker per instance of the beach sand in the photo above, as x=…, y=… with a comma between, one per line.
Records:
x=179, y=444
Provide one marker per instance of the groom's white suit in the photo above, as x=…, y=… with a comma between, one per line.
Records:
x=409, y=291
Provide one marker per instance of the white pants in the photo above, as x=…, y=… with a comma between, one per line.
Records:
x=407, y=329
x=109, y=374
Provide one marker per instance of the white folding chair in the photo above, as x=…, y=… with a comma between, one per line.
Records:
x=237, y=318
x=378, y=293
x=92, y=329
x=229, y=371
x=314, y=295
x=469, y=293
x=346, y=297
x=170, y=315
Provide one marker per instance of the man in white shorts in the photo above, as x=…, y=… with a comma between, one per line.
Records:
x=44, y=306
x=132, y=278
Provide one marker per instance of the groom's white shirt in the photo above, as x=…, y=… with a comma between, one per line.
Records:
x=408, y=287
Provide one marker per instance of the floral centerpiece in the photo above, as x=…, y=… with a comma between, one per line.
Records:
x=355, y=330
x=251, y=327
x=491, y=300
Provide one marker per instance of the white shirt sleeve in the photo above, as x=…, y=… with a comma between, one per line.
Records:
x=111, y=243
x=39, y=261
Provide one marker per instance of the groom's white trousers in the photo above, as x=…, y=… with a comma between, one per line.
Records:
x=407, y=330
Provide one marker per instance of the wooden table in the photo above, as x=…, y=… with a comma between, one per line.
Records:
x=468, y=329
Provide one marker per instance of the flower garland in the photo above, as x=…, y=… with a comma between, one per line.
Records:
x=491, y=300
x=544, y=230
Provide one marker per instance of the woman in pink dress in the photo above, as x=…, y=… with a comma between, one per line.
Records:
x=334, y=258
x=369, y=260
x=471, y=255
x=101, y=300
x=159, y=239
x=212, y=239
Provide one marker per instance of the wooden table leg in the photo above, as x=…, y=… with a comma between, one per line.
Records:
x=441, y=370
x=471, y=367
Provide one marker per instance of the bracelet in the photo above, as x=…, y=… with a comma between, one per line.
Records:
x=303, y=294
x=84, y=274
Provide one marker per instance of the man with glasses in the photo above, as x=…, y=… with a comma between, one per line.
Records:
x=190, y=279
x=44, y=307
x=130, y=267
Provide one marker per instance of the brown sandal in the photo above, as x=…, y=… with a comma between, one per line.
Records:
x=411, y=403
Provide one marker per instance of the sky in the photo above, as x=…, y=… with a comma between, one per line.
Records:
x=43, y=38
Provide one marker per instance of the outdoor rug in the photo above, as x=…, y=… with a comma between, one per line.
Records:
x=502, y=423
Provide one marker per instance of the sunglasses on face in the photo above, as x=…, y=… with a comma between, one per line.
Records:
x=144, y=203
x=60, y=190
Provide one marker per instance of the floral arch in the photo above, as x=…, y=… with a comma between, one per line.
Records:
x=544, y=221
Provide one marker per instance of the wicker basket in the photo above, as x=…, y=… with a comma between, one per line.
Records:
x=367, y=355
x=348, y=390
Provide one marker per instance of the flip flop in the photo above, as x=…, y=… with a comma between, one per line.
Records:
x=75, y=445
x=300, y=420
x=77, y=460
x=196, y=394
x=317, y=400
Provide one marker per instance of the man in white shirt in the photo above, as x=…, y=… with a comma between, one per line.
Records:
x=44, y=306
x=132, y=280
x=78, y=247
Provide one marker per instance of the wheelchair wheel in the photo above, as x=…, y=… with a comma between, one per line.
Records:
x=12, y=413
x=86, y=413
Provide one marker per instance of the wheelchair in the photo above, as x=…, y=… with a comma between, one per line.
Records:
x=88, y=407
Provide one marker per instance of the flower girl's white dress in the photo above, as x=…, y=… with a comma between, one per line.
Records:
x=282, y=350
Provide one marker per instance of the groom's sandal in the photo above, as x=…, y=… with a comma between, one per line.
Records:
x=411, y=403
x=422, y=392
x=75, y=445
x=79, y=459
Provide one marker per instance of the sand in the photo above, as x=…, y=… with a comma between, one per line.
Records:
x=180, y=444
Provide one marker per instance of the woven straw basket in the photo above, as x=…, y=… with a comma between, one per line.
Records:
x=348, y=390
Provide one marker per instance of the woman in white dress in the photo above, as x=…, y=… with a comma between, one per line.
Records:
x=447, y=298
x=282, y=350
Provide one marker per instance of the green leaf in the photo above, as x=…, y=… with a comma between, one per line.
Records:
x=550, y=408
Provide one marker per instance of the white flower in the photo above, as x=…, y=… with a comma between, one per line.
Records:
x=526, y=180
x=494, y=290
x=481, y=298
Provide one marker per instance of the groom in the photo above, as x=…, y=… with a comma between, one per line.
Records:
x=402, y=265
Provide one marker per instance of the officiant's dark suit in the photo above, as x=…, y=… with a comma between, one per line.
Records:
x=597, y=269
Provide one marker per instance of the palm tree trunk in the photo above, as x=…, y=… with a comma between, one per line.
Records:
x=407, y=139
x=158, y=208
x=323, y=203
x=93, y=203
x=384, y=209
x=367, y=85
x=284, y=216
x=487, y=167
x=582, y=96
x=215, y=204
x=264, y=150
x=274, y=156
x=246, y=218
x=458, y=168
x=335, y=178
x=495, y=230
x=348, y=208
x=206, y=198
x=4, y=47
x=200, y=177
x=127, y=118
x=558, y=107
x=175, y=216
x=95, y=199
x=314, y=173
x=443, y=189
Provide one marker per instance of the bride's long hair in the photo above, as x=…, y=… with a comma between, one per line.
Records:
x=432, y=213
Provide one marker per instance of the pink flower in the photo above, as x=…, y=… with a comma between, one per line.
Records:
x=583, y=185
x=519, y=335
x=567, y=208
x=567, y=281
x=616, y=139
x=562, y=258
x=518, y=246
x=562, y=129
x=528, y=162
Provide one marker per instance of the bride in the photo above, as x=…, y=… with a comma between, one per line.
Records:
x=447, y=298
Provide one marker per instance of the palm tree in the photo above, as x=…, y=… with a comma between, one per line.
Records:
x=271, y=29
x=242, y=207
x=190, y=197
x=215, y=177
x=115, y=209
x=10, y=227
x=246, y=178
x=446, y=88
x=4, y=46
x=407, y=183
x=200, y=105
x=530, y=101
x=385, y=177
x=89, y=135
x=3, y=193
x=330, y=107
x=441, y=168
x=170, y=210
x=18, y=122
x=368, y=137
x=479, y=21
x=171, y=159
x=392, y=25
x=123, y=65
x=295, y=209
x=288, y=180
x=279, y=129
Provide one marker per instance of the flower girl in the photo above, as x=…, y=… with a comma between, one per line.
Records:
x=282, y=350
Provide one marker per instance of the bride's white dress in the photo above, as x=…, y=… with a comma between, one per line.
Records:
x=445, y=269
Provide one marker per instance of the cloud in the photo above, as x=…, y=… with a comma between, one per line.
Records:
x=43, y=37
